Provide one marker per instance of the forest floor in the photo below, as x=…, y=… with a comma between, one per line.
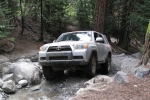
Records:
x=137, y=89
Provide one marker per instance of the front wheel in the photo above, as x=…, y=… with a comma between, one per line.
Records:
x=106, y=67
x=90, y=69
x=48, y=72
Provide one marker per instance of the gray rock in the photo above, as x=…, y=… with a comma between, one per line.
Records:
x=23, y=83
x=133, y=71
x=6, y=68
x=3, y=59
x=35, y=88
x=17, y=78
x=137, y=55
x=141, y=72
x=121, y=77
x=1, y=96
x=121, y=55
x=9, y=87
x=8, y=77
x=24, y=60
x=29, y=71
x=1, y=83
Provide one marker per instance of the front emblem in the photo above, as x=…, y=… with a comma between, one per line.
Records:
x=58, y=48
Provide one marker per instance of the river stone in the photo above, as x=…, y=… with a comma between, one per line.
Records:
x=24, y=60
x=6, y=68
x=29, y=71
x=121, y=77
x=1, y=83
x=3, y=59
x=23, y=83
x=35, y=88
x=9, y=87
x=141, y=72
x=7, y=77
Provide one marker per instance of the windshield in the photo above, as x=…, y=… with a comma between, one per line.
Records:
x=76, y=36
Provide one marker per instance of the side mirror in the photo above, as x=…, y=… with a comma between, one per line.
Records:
x=99, y=39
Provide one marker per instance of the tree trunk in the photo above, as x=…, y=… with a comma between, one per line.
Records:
x=99, y=19
x=22, y=19
x=41, y=35
x=146, y=55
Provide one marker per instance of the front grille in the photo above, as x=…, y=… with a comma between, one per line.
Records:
x=59, y=48
x=58, y=58
x=78, y=57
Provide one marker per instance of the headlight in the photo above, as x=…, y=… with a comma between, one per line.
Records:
x=81, y=46
x=43, y=48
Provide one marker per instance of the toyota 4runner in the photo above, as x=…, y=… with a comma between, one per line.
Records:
x=84, y=50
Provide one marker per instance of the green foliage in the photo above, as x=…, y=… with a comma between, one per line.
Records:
x=85, y=13
x=142, y=49
x=5, y=16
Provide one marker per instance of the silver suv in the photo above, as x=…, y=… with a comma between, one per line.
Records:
x=83, y=50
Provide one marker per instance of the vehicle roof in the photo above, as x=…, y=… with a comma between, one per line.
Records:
x=80, y=31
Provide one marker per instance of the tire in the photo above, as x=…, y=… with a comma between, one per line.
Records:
x=90, y=69
x=48, y=72
x=106, y=67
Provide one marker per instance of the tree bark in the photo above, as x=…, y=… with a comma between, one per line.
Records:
x=99, y=19
x=41, y=35
x=22, y=18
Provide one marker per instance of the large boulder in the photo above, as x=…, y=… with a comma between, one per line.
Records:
x=98, y=84
x=141, y=72
x=9, y=87
x=28, y=71
x=121, y=77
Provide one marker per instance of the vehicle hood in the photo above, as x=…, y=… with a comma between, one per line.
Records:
x=71, y=43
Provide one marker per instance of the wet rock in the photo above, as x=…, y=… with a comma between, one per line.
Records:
x=99, y=79
x=9, y=87
x=1, y=83
x=34, y=58
x=3, y=59
x=35, y=88
x=8, y=77
x=24, y=60
x=1, y=96
x=17, y=78
x=18, y=87
x=6, y=68
x=23, y=83
x=29, y=71
x=121, y=77
x=141, y=72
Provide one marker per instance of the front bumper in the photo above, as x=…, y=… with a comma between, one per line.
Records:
x=63, y=63
x=63, y=59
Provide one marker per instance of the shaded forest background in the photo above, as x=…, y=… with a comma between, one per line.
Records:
x=124, y=20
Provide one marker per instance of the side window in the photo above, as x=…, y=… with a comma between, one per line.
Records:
x=96, y=35
x=102, y=38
